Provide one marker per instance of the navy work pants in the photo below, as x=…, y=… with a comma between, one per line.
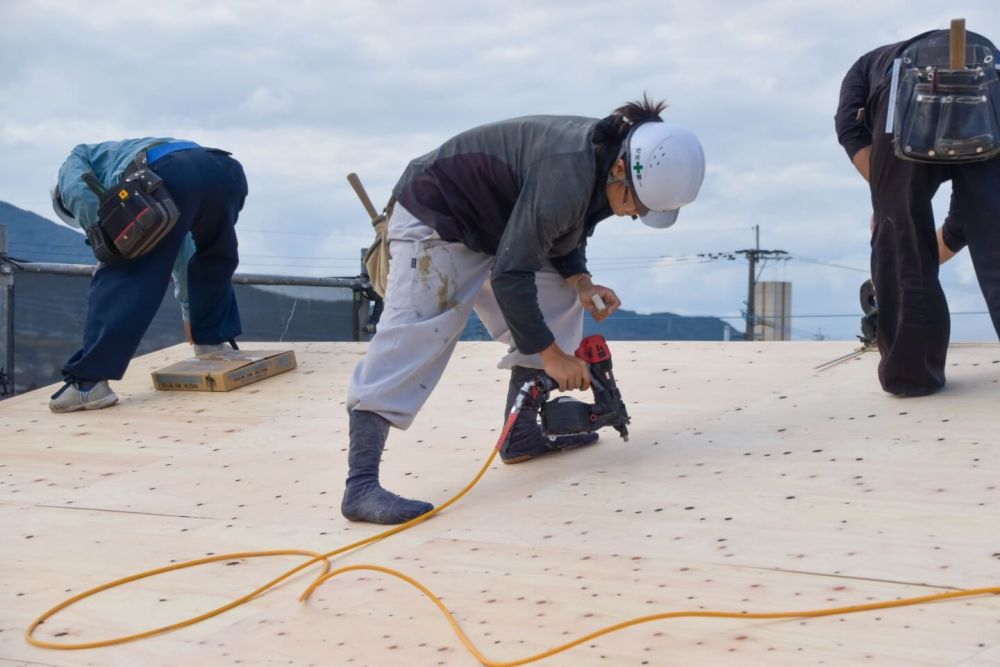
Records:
x=209, y=188
x=914, y=324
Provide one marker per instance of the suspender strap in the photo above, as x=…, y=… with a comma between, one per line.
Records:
x=890, y=114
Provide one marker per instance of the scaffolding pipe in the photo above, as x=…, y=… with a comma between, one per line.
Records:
x=6, y=318
x=360, y=286
x=238, y=279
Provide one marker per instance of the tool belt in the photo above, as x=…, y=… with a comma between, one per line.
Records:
x=943, y=115
x=377, y=256
x=133, y=215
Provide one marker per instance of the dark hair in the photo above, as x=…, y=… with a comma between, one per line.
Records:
x=634, y=113
x=614, y=128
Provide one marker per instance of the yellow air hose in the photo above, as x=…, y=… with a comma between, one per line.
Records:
x=326, y=574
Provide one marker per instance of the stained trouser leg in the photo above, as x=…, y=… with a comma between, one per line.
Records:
x=429, y=296
x=559, y=305
x=914, y=324
x=564, y=317
x=428, y=300
x=976, y=204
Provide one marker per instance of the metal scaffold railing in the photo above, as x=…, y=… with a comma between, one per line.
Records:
x=363, y=316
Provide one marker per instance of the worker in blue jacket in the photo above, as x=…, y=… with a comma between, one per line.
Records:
x=209, y=188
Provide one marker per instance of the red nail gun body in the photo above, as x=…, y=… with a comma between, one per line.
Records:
x=565, y=415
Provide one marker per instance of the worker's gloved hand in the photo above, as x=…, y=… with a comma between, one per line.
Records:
x=566, y=370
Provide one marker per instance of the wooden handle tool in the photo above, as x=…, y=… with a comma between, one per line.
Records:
x=359, y=190
x=957, y=45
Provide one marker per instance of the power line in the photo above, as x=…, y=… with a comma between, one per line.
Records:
x=719, y=230
x=338, y=235
x=697, y=230
x=809, y=260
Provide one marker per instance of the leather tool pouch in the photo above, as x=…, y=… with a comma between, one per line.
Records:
x=102, y=246
x=947, y=116
x=377, y=255
x=133, y=216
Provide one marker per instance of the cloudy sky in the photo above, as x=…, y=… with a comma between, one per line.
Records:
x=304, y=92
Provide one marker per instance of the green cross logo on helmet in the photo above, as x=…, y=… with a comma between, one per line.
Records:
x=668, y=166
x=637, y=168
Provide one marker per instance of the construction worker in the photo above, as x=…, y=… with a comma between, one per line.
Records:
x=208, y=187
x=496, y=219
x=914, y=324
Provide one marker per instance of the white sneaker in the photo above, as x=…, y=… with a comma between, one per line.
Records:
x=70, y=398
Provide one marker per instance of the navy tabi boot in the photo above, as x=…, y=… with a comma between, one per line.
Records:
x=364, y=498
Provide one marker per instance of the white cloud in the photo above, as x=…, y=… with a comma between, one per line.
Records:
x=305, y=91
x=267, y=102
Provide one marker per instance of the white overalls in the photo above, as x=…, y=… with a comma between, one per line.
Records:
x=432, y=288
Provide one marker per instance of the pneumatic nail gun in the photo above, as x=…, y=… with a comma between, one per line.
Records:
x=565, y=415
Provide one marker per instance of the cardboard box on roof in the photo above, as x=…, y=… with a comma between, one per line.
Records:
x=223, y=371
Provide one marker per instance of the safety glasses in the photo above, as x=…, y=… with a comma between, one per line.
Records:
x=629, y=190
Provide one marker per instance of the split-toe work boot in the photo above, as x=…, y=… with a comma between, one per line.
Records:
x=364, y=497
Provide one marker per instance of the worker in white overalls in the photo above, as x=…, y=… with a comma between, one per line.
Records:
x=497, y=219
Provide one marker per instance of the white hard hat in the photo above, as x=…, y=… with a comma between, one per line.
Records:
x=62, y=212
x=666, y=166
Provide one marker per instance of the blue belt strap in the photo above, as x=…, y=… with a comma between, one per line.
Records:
x=156, y=152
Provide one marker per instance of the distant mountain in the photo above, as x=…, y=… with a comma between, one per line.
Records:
x=629, y=325
x=50, y=309
x=36, y=239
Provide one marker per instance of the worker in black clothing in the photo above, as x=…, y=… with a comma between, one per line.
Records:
x=914, y=324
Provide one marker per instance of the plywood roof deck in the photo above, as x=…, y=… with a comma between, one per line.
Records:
x=751, y=482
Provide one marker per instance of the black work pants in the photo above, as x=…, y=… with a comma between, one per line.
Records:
x=914, y=324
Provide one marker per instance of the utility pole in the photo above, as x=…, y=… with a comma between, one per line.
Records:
x=752, y=256
x=751, y=282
